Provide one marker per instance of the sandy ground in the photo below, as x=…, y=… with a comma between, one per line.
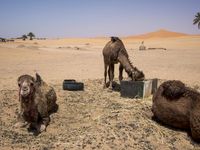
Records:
x=94, y=118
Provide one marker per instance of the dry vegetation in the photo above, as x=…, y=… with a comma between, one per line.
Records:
x=94, y=118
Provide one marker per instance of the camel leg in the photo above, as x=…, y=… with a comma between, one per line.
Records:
x=105, y=74
x=111, y=74
x=109, y=69
x=120, y=72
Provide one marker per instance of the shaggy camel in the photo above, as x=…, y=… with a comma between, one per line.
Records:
x=114, y=52
x=179, y=106
x=37, y=102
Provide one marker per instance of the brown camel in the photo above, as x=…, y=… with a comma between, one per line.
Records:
x=115, y=52
x=178, y=106
x=37, y=102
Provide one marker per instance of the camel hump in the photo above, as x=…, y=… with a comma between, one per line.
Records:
x=114, y=38
x=173, y=89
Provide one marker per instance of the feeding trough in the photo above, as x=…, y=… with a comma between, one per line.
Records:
x=72, y=85
x=138, y=89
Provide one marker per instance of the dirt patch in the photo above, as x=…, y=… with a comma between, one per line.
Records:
x=21, y=46
x=96, y=118
x=33, y=47
x=28, y=46
x=69, y=47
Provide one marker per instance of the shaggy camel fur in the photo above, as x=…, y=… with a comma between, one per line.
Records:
x=37, y=102
x=114, y=52
x=179, y=106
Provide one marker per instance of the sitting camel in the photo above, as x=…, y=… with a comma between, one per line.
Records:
x=179, y=106
x=115, y=52
x=37, y=102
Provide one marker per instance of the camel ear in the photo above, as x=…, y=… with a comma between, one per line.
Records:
x=18, y=79
x=38, y=78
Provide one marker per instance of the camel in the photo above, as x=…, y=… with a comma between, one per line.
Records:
x=114, y=52
x=177, y=105
x=37, y=101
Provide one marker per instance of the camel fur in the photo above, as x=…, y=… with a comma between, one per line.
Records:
x=177, y=105
x=37, y=101
x=114, y=52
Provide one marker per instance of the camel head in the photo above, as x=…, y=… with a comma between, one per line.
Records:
x=26, y=85
x=136, y=75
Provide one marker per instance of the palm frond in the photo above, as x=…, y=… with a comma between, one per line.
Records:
x=197, y=20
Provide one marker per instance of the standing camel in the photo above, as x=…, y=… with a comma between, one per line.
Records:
x=115, y=52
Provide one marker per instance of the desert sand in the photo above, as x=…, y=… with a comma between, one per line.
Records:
x=95, y=118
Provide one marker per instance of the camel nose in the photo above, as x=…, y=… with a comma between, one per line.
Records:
x=25, y=88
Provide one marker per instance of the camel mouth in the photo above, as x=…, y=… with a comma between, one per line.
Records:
x=138, y=78
x=141, y=79
x=25, y=93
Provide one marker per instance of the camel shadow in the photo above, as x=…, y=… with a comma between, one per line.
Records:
x=188, y=131
x=154, y=118
x=33, y=131
x=115, y=87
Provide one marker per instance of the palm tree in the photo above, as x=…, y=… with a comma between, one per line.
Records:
x=197, y=20
x=24, y=37
x=31, y=35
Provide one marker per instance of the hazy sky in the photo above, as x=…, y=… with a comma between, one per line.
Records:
x=90, y=18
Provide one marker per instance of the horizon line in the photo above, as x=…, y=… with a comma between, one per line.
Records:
x=107, y=36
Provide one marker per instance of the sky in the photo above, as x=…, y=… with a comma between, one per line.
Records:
x=95, y=18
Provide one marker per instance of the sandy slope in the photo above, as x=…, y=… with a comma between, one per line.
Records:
x=162, y=33
x=95, y=118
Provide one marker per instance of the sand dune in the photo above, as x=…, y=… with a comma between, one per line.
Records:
x=159, y=34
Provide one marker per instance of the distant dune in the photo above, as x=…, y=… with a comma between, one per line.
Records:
x=159, y=34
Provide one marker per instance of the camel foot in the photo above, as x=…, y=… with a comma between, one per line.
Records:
x=106, y=85
x=36, y=129
x=20, y=124
x=42, y=128
x=110, y=88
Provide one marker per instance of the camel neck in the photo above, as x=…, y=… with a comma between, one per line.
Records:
x=124, y=60
x=28, y=100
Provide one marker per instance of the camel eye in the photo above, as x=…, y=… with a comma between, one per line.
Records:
x=32, y=84
x=19, y=84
